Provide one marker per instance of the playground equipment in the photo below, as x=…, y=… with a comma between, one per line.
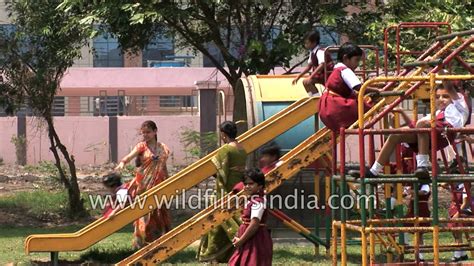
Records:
x=272, y=114
x=441, y=56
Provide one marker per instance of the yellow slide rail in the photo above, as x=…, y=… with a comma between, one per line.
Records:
x=183, y=180
x=180, y=237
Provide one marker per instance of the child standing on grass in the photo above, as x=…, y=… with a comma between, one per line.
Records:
x=338, y=104
x=253, y=242
x=113, y=182
x=316, y=64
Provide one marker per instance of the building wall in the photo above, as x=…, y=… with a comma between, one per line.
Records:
x=8, y=130
x=87, y=138
x=3, y=13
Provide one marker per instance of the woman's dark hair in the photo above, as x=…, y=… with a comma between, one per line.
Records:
x=350, y=50
x=271, y=149
x=229, y=128
x=151, y=125
x=256, y=175
x=112, y=179
x=313, y=36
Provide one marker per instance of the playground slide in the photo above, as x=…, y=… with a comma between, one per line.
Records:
x=191, y=230
x=301, y=156
x=185, y=179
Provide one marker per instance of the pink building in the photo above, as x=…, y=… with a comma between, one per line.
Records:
x=90, y=98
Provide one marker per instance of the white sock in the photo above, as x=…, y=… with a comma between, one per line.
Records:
x=407, y=238
x=463, y=253
x=376, y=168
x=310, y=94
x=422, y=160
x=458, y=253
x=393, y=202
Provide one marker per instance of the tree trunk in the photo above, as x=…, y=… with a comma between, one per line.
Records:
x=240, y=107
x=76, y=204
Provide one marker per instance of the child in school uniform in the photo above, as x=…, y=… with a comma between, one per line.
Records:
x=458, y=203
x=316, y=63
x=338, y=104
x=424, y=194
x=253, y=243
x=269, y=158
x=119, y=194
x=451, y=113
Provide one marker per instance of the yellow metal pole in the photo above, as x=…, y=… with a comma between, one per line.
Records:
x=334, y=243
x=364, y=246
x=372, y=247
x=433, y=122
x=327, y=185
x=318, y=194
x=343, y=245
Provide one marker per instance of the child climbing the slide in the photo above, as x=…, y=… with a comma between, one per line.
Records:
x=253, y=242
x=338, y=104
x=316, y=63
x=269, y=158
x=119, y=194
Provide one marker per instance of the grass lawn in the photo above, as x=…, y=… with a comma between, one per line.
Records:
x=117, y=247
x=52, y=205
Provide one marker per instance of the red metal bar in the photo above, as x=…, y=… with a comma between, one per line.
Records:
x=342, y=151
x=334, y=152
x=433, y=25
x=407, y=130
x=397, y=32
x=464, y=64
x=418, y=84
x=406, y=71
x=371, y=150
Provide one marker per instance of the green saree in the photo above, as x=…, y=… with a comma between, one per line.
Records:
x=217, y=244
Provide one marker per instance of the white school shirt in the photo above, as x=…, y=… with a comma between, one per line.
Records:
x=257, y=210
x=455, y=113
x=319, y=55
x=348, y=76
x=121, y=195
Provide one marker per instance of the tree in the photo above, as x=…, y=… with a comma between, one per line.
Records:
x=34, y=57
x=368, y=27
x=252, y=37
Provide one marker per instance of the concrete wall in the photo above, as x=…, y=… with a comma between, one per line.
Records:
x=169, y=132
x=87, y=138
x=8, y=129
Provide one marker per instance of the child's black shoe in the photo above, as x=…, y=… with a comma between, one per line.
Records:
x=356, y=173
x=457, y=259
x=466, y=211
x=422, y=172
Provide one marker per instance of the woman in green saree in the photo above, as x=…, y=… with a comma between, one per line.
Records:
x=217, y=246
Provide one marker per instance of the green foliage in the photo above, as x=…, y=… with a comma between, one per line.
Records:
x=34, y=58
x=368, y=27
x=192, y=139
x=39, y=204
x=251, y=36
x=44, y=44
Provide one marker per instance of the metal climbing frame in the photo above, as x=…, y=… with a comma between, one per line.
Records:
x=409, y=85
x=398, y=28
